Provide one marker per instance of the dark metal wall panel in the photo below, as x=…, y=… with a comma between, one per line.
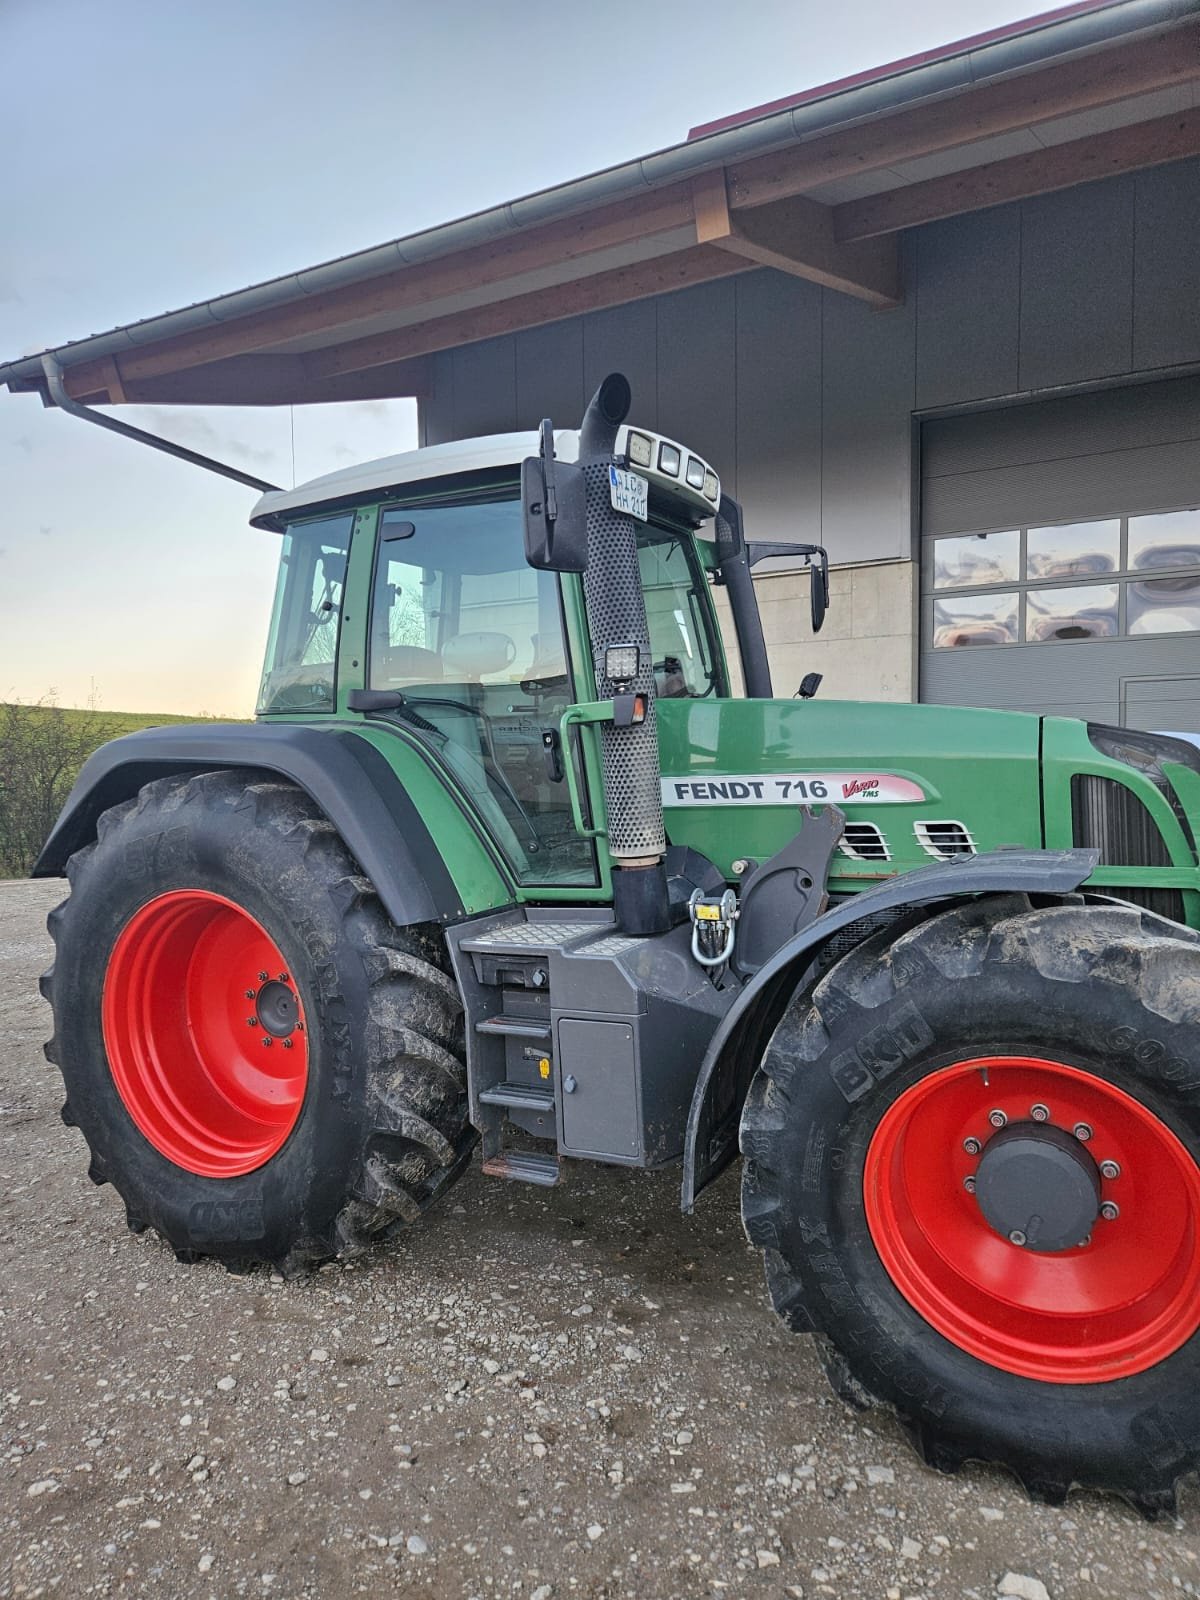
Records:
x=1166, y=300
x=778, y=399
x=968, y=289
x=1077, y=284
x=549, y=375
x=868, y=367
x=697, y=372
x=485, y=389
x=625, y=339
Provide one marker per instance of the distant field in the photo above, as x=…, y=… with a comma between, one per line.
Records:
x=117, y=722
x=42, y=748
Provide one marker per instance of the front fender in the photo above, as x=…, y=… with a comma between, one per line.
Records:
x=738, y=1044
x=346, y=778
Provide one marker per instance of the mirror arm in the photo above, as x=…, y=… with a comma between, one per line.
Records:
x=763, y=550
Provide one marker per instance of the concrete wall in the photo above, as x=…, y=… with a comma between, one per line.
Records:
x=804, y=399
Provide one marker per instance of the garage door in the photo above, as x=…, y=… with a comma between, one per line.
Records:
x=1060, y=567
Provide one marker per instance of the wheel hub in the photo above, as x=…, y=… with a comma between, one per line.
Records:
x=277, y=1008
x=1038, y=1187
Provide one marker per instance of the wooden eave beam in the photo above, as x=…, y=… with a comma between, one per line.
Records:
x=1163, y=60
x=797, y=236
x=491, y=264
x=1060, y=166
x=618, y=286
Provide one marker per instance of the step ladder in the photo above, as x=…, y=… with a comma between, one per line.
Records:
x=504, y=971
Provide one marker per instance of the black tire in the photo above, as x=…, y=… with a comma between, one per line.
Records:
x=382, y=1130
x=1111, y=990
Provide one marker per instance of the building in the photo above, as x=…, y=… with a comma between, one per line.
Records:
x=943, y=318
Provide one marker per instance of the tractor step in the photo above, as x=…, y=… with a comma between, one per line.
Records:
x=525, y=1166
x=520, y=1096
x=514, y=1027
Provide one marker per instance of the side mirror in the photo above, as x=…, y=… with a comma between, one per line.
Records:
x=815, y=559
x=554, y=506
x=818, y=591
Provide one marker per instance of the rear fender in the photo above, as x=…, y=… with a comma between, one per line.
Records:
x=343, y=775
x=738, y=1044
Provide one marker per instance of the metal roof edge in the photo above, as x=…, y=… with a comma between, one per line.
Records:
x=957, y=73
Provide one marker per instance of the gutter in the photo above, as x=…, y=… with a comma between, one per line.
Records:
x=965, y=67
x=57, y=394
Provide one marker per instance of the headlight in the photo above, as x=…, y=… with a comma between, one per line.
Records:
x=1144, y=751
x=641, y=450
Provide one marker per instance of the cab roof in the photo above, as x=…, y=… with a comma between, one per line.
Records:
x=372, y=480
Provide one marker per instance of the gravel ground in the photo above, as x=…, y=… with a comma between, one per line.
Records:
x=572, y=1392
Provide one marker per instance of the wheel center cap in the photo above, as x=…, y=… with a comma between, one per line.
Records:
x=277, y=1008
x=1040, y=1184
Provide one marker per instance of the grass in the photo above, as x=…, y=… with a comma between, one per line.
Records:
x=116, y=723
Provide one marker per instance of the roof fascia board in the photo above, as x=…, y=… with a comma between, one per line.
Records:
x=999, y=59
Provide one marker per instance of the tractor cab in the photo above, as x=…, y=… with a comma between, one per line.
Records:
x=459, y=641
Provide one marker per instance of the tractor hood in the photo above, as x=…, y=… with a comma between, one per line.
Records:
x=915, y=782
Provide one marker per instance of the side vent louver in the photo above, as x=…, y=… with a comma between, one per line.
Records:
x=944, y=840
x=863, y=841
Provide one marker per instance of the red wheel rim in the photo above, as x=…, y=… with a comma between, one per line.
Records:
x=212, y=1084
x=1104, y=1310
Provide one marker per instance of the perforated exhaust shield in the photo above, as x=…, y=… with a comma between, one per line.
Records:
x=617, y=615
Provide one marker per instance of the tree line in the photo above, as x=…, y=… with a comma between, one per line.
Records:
x=42, y=747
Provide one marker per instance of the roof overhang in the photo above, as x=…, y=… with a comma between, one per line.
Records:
x=820, y=186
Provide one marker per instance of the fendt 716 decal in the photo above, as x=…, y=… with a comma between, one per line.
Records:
x=789, y=789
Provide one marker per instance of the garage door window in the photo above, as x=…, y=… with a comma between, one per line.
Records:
x=1024, y=584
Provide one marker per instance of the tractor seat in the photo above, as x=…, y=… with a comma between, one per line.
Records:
x=468, y=656
x=408, y=663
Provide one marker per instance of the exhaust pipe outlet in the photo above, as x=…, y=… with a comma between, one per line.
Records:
x=607, y=411
x=616, y=609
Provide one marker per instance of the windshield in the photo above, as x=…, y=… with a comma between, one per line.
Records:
x=472, y=636
x=302, y=644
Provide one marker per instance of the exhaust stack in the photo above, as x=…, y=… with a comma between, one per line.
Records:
x=616, y=611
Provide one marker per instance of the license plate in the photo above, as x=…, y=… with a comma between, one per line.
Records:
x=629, y=493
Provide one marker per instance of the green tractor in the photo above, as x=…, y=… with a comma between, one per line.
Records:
x=504, y=861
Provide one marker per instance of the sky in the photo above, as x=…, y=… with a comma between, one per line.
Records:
x=159, y=154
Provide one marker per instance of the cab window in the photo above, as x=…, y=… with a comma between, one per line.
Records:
x=687, y=662
x=472, y=637
x=306, y=618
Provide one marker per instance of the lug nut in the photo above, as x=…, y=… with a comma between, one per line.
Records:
x=283, y=978
x=1110, y=1211
x=267, y=1040
x=1082, y=1132
x=1040, y=1113
x=287, y=1044
x=971, y=1146
x=997, y=1118
x=250, y=993
x=969, y=1184
x=252, y=1022
x=1016, y=1237
x=263, y=977
x=1109, y=1169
